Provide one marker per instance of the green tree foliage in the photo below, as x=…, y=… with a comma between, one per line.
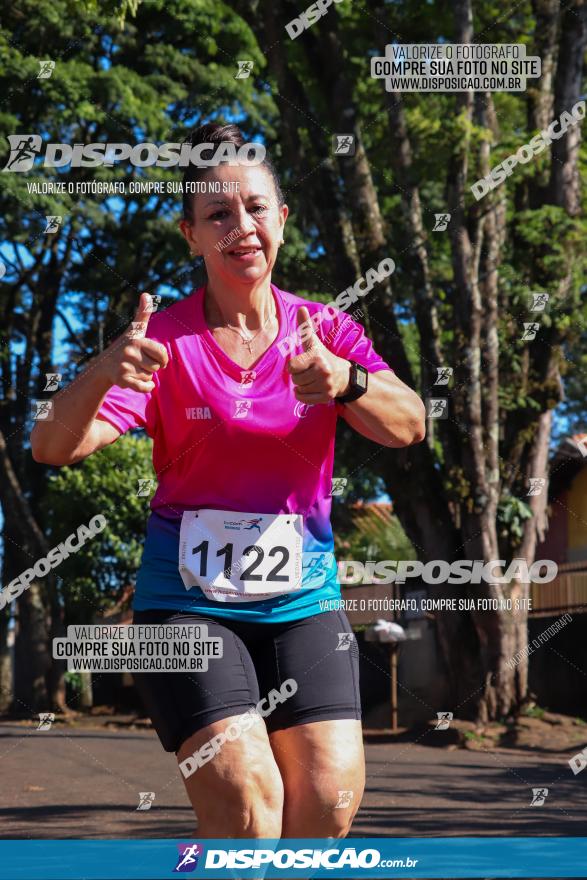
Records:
x=105, y=484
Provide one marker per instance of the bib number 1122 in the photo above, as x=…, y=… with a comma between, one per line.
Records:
x=247, y=574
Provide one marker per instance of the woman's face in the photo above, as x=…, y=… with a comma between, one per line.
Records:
x=238, y=224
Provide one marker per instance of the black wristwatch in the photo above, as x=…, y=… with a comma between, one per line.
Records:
x=357, y=383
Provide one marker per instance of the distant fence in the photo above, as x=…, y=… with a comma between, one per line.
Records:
x=567, y=592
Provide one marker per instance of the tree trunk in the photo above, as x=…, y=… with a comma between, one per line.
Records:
x=6, y=664
x=32, y=657
x=24, y=543
x=86, y=694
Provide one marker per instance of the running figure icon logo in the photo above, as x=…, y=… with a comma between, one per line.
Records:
x=24, y=148
x=42, y=410
x=539, y=796
x=52, y=381
x=253, y=524
x=242, y=408
x=343, y=144
x=441, y=222
x=189, y=853
x=146, y=799
x=444, y=719
x=46, y=68
x=345, y=799
x=247, y=378
x=46, y=719
x=317, y=564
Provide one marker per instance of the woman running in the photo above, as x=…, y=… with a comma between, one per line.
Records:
x=242, y=405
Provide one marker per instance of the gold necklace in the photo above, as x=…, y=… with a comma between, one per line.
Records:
x=248, y=340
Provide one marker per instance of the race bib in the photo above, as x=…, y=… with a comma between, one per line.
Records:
x=241, y=557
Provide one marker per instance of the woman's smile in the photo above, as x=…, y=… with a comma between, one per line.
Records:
x=246, y=254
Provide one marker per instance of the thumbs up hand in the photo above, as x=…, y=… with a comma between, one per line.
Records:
x=131, y=361
x=318, y=375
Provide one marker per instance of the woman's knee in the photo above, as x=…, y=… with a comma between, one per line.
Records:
x=327, y=801
x=239, y=791
x=253, y=801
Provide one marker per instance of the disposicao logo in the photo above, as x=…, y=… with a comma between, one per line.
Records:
x=25, y=148
x=189, y=853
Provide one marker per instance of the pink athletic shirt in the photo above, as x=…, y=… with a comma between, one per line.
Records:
x=234, y=439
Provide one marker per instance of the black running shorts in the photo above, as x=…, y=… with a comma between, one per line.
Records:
x=319, y=653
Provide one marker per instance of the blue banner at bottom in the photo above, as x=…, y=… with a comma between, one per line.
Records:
x=368, y=857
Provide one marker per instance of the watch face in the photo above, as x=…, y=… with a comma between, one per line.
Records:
x=361, y=377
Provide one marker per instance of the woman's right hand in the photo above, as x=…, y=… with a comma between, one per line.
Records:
x=132, y=359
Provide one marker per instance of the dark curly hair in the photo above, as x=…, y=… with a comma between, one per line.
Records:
x=214, y=133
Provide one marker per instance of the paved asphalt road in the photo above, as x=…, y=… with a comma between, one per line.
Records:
x=72, y=783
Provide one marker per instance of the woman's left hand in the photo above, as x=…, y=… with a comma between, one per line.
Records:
x=318, y=375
